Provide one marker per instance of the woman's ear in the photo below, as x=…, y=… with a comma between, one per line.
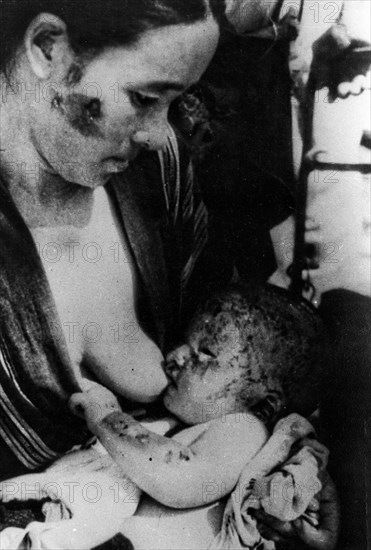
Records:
x=47, y=46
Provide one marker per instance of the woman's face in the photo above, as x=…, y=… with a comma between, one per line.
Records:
x=87, y=131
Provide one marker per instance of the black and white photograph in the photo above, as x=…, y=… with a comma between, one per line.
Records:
x=185, y=274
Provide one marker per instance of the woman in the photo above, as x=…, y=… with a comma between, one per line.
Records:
x=85, y=89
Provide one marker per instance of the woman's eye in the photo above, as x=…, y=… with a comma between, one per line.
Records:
x=93, y=109
x=143, y=101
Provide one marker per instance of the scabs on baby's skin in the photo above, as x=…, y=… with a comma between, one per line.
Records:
x=220, y=369
x=133, y=435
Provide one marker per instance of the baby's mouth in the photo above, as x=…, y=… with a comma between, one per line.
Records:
x=171, y=383
x=171, y=386
x=170, y=369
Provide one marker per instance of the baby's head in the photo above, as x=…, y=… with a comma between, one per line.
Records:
x=248, y=349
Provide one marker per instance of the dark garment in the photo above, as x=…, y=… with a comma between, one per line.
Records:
x=346, y=412
x=35, y=375
x=247, y=170
x=119, y=542
x=165, y=223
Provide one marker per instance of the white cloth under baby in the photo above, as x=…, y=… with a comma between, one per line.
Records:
x=89, y=497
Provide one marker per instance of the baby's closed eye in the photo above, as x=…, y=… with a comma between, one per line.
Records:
x=206, y=351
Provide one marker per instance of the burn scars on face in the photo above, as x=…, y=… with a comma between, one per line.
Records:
x=81, y=112
x=215, y=337
x=236, y=340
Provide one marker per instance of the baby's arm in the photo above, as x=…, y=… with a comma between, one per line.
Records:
x=177, y=475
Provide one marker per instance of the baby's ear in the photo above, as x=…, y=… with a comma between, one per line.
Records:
x=269, y=408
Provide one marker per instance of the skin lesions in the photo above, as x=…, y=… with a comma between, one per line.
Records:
x=184, y=456
x=115, y=423
x=169, y=457
x=82, y=113
x=142, y=438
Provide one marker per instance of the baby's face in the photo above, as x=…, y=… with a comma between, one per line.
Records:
x=205, y=373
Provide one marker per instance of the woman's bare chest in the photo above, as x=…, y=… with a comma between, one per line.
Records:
x=91, y=276
x=93, y=281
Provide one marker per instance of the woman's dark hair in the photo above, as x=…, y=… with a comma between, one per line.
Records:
x=93, y=25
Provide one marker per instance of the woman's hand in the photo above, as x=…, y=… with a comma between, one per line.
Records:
x=317, y=529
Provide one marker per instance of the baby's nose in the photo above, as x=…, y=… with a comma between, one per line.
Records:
x=179, y=355
x=175, y=361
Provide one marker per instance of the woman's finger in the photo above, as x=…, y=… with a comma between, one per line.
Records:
x=323, y=537
x=317, y=538
x=314, y=505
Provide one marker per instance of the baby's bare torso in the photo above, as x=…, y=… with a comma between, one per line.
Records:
x=154, y=525
x=157, y=526
x=94, y=284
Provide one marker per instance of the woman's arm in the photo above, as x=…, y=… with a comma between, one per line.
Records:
x=174, y=474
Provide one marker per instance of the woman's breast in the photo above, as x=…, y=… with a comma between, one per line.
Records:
x=93, y=281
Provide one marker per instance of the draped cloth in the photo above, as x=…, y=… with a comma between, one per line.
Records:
x=279, y=480
x=165, y=223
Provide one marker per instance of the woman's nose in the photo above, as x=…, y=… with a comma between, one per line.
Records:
x=155, y=138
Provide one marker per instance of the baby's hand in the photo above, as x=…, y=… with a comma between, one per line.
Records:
x=94, y=404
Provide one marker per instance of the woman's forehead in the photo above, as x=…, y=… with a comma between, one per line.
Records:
x=176, y=54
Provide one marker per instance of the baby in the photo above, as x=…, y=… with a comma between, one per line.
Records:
x=251, y=356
